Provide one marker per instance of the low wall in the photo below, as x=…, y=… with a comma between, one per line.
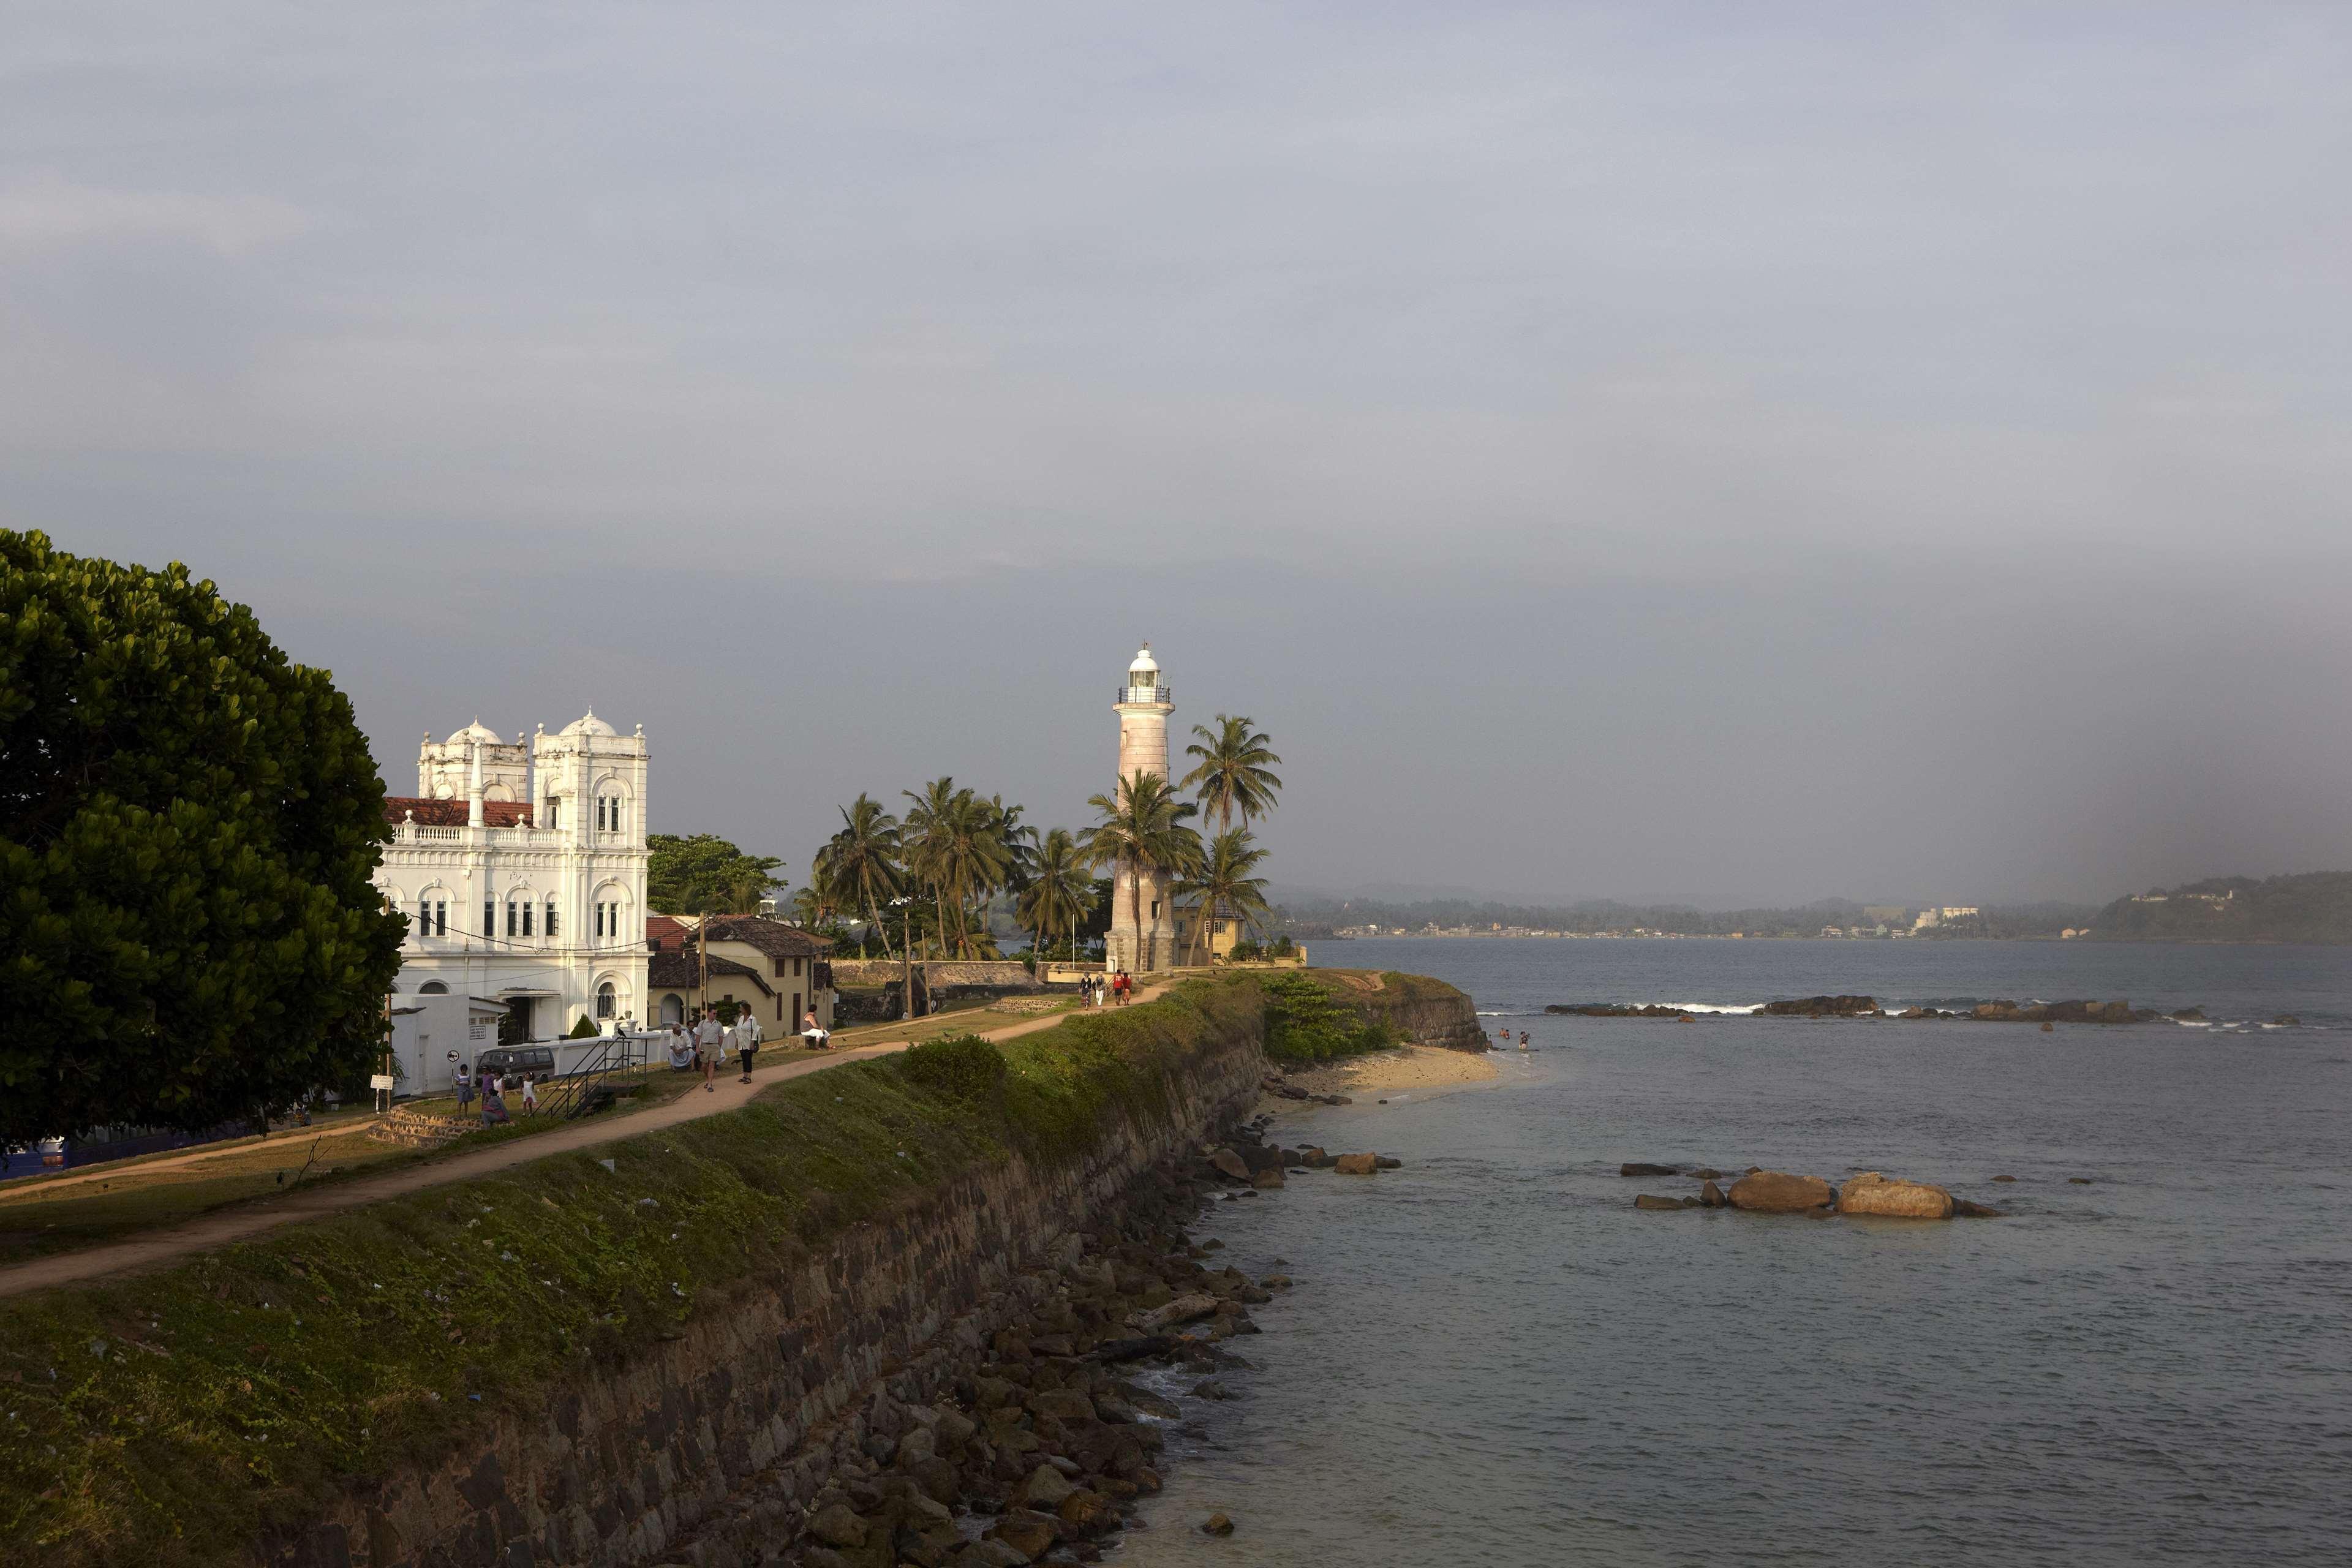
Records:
x=939, y=974
x=317, y=1382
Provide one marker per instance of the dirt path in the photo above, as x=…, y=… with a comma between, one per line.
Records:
x=244, y=1221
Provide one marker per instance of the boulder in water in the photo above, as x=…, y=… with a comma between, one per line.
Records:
x=1873, y=1193
x=1710, y=1197
x=1650, y=1201
x=1776, y=1192
x=1356, y=1165
x=1643, y=1168
x=1231, y=1163
x=1820, y=1007
x=1963, y=1209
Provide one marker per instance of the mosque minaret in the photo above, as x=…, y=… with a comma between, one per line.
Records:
x=1143, y=706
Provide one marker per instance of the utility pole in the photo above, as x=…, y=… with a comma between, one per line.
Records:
x=906, y=950
x=702, y=951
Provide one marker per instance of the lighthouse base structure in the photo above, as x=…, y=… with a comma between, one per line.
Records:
x=1147, y=948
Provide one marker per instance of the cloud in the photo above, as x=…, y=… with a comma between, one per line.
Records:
x=51, y=213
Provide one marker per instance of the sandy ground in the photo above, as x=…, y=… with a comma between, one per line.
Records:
x=1413, y=1069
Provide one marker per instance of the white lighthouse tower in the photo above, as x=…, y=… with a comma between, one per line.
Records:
x=1143, y=706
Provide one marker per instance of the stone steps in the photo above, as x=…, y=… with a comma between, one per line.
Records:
x=416, y=1130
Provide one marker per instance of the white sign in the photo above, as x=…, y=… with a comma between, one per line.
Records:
x=380, y=1080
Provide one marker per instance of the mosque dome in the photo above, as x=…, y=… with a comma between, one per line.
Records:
x=589, y=724
x=477, y=731
x=1144, y=665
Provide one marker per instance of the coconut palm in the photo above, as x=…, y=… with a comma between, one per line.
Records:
x=861, y=861
x=1143, y=830
x=1060, y=893
x=1232, y=777
x=1223, y=881
x=955, y=844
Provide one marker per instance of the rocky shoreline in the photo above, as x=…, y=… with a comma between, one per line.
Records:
x=1994, y=1011
x=1040, y=1444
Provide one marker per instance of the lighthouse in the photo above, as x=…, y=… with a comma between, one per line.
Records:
x=1143, y=706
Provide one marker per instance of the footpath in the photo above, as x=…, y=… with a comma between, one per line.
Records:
x=246, y=1220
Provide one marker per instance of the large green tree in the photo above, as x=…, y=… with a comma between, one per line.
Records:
x=703, y=874
x=189, y=826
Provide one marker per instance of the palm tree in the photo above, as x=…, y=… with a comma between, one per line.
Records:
x=1232, y=774
x=955, y=843
x=861, y=861
x=1060, y=893
x=1223, y=881
x=1143, y=830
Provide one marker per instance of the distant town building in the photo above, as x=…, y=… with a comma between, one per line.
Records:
x=521, y=869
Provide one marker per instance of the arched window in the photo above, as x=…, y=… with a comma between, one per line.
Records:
x=433, y=988
x=673, y=1009
x=604, y=1000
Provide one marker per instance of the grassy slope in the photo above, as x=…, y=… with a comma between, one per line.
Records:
x=174, y=1417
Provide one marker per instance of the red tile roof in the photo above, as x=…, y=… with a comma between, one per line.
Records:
x=452, y=813
x=661, y=932
x=774, y=938
x=681, y=972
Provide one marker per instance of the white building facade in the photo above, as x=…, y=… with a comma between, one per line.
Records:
x=521, y=869
x=1143, y=706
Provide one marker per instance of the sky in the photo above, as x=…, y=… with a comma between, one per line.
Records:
x=1733, y=453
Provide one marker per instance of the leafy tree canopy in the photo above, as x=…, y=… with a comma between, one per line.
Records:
x=189, y=823
x=703, y=874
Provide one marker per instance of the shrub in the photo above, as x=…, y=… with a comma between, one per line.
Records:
x=1282, y=948
x=1304, y=1024
x=963, y=1066
x=1246, y=952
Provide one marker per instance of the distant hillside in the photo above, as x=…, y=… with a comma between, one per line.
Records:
x=2315, y=907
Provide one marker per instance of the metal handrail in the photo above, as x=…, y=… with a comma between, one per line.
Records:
x=570, y=1093
x=1162, y=693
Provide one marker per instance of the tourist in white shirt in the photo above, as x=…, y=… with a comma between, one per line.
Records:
x=709, y=1041
x=747, y=1040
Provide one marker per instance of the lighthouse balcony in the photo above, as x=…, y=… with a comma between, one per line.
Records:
x=1162, y=695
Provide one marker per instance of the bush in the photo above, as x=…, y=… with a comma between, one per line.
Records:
x=963, y=1066
x=1282, y=948
x=1246, y=952
x=1304, y=1024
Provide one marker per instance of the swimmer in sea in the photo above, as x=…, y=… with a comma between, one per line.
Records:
x=1523, y=1040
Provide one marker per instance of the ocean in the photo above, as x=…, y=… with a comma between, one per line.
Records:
x=1492, y=1357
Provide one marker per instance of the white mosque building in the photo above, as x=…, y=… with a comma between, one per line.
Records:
x=521, y=869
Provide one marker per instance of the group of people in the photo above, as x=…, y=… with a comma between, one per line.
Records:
x=1117, y=987
x=491, y=1087
x=705, y=1046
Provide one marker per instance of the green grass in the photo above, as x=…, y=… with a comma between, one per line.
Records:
x=178, y=1417
x=41, y=1215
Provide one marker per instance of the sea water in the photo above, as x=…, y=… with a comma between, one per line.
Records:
x=1492, y=1357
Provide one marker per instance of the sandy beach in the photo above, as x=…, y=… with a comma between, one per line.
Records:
x=1407, y=1067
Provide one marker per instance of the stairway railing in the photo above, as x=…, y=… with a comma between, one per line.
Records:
x=576, y=1091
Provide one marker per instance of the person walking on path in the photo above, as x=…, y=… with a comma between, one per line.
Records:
x=747, y=1040
x=709, y=1040
x=1123, y=985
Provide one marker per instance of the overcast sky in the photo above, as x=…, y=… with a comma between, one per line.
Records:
x=1736, y=452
